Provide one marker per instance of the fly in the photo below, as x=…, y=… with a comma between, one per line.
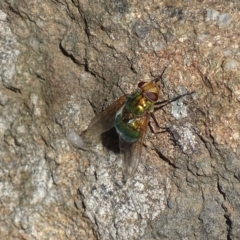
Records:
x=130, y=115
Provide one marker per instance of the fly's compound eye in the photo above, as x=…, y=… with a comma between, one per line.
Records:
x=152, y=96
x=141, y=84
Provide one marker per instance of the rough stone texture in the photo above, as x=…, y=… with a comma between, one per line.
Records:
x=62, y=62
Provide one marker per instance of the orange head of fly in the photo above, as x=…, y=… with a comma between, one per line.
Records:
x=150, y=90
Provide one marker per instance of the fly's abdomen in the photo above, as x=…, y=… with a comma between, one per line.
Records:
x=127, y=130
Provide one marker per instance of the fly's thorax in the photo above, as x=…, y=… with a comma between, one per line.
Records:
x=138, y=104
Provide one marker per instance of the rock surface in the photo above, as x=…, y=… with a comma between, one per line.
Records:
x=62, y=62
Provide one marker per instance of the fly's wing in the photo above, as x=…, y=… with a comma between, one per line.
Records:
x=103, y=121
x=132, y=151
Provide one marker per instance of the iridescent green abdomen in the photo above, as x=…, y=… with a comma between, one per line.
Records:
x=126, y=130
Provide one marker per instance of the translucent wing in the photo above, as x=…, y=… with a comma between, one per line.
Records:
x=103, y=121
x=132, y=151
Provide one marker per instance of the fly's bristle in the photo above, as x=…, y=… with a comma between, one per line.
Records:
x=160, y=77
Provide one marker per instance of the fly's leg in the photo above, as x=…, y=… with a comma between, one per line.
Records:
x=159, y=105
x=165, y=129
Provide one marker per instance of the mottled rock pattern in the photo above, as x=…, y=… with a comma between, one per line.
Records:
x=62, y=62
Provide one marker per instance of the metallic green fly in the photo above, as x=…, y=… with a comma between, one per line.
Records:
x=130, y=115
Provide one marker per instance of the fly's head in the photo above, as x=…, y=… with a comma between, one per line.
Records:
x=150, y=90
